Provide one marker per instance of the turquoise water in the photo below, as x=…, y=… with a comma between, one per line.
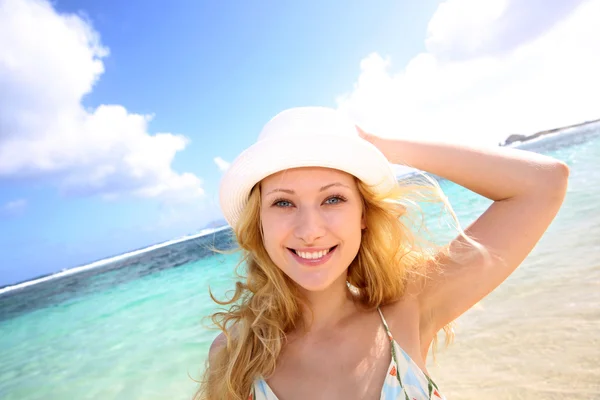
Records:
x=135, y=329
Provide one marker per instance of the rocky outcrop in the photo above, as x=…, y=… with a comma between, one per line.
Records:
x=523, y=138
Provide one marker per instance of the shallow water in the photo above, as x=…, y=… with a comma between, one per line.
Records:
x=538, y=335
x=133, y=329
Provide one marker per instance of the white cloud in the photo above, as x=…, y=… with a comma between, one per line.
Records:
x=13, y=207
x=476, y=83
x=462, y=29
x=44, y=129
x=222, y=164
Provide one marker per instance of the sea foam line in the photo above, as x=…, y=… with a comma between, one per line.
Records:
x=109, y=260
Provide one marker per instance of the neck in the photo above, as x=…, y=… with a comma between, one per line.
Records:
x=327, y=307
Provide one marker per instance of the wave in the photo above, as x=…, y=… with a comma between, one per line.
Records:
x=109, y=260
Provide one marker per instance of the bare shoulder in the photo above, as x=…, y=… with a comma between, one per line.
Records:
x=402, y=315
x=408, y=317
x=404, y=320
x=218, y=343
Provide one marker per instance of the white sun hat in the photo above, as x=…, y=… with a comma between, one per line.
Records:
x=303, y=137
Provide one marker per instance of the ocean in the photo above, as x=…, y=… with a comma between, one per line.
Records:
x=135, y=327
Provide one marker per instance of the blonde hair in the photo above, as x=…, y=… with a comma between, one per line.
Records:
x=394, y=250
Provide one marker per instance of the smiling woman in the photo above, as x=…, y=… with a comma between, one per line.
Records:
x=343, y=297
x=318, y=221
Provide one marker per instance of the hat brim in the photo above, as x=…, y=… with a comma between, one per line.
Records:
x=354, y=156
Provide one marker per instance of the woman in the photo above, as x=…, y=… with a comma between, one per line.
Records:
x=342, y=299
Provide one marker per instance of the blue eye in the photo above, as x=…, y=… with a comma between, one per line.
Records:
x=282, y=203
x=335, y=200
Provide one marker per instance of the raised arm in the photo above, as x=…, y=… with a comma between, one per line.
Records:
x=527, y=190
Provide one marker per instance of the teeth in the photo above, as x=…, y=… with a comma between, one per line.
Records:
x=312, y=255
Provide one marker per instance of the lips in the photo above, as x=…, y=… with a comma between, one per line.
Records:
x=313, y=258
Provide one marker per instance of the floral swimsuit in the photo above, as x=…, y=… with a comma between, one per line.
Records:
x=404, y=379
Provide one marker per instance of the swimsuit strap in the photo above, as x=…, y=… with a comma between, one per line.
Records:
x=402, y=372
x=430, y=383
x=393, y=351
x=387, y=328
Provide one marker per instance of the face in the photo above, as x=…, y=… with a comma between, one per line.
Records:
x=312, y=222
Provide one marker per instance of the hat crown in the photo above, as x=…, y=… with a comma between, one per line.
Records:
x=308, y=122
x=303, y=137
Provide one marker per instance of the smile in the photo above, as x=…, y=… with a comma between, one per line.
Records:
x=313, y=257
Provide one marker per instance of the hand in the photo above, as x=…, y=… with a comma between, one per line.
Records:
x=367, y=136
x=373, y=139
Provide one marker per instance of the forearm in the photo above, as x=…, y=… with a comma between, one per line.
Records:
x=496, y=173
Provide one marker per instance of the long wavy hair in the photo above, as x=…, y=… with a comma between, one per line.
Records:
x=395, y=248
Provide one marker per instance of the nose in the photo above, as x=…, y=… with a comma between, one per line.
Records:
x=310, y=225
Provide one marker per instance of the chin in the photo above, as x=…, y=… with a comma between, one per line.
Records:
x=319, y=283
x=314, y=286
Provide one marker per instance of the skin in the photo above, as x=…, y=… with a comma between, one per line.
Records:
x=310, y=210
x=317, y=208
x=527, y=190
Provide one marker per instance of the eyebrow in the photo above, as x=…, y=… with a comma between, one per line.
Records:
x=322, y=189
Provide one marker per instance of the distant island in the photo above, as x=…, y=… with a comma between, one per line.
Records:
x=215, y=224
x=523, y=138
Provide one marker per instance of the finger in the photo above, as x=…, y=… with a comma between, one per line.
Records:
x=361, y=133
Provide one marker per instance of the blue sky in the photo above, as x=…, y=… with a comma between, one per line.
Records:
x=112, y=113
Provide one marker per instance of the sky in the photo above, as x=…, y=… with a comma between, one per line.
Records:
x=118, y=118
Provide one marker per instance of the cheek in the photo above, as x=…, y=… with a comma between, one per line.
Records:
x=347, y=222
x=348, y=227
x=271, y=236
x=270, y=242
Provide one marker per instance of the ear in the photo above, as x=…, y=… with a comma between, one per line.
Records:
x=363, y=221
